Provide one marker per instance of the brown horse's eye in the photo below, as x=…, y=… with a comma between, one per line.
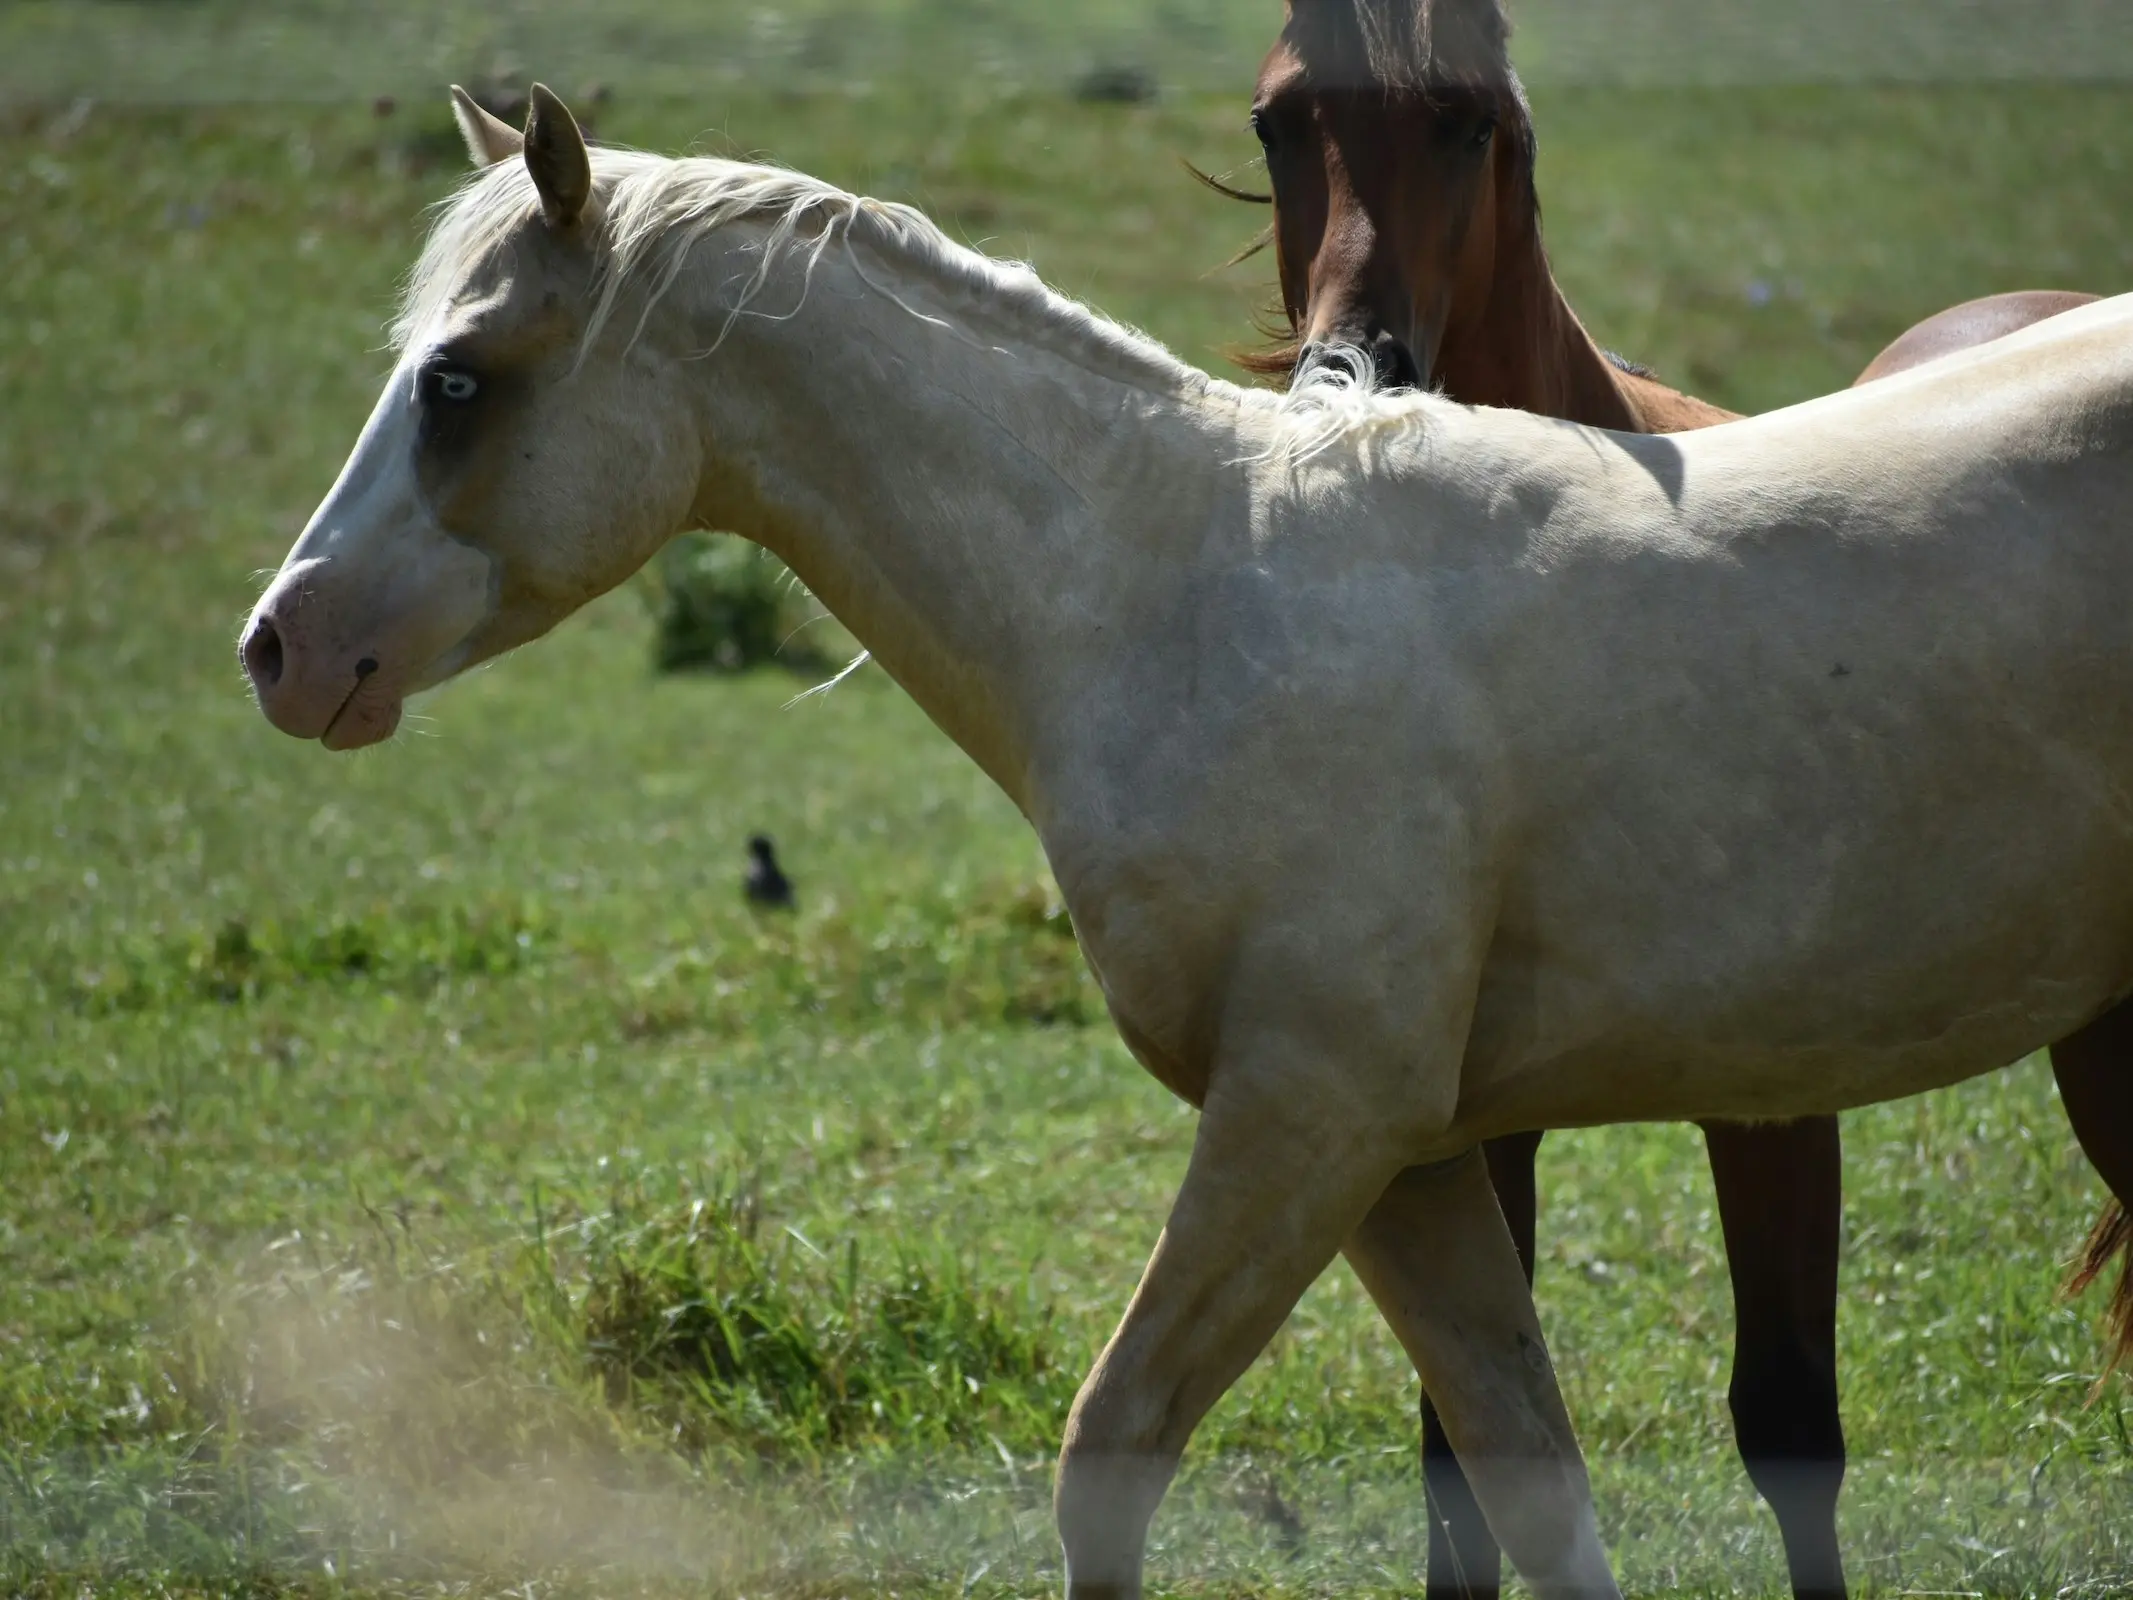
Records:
x=1263, y=130
x=1484, y=131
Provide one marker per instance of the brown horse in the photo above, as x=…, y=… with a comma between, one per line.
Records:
x=1972, y=323
x=1407, y=232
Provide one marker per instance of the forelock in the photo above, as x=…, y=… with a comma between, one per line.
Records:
x=1407, y=44
x=467, y=227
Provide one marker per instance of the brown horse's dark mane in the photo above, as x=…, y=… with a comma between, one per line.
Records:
x=1419, y=44
x=1447, y=51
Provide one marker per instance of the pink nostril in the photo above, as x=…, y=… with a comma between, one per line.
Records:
x=262, y=654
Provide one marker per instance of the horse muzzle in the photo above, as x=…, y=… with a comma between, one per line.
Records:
x=333, y=651
x=1383, y=363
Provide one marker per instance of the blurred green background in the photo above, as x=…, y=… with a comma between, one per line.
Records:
x=213, y=50
x=421, y=1172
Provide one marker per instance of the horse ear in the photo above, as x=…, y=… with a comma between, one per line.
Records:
x=489, y=138
x=557, y=158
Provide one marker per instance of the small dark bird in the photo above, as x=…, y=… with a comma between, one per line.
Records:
x=765, y=884
x=1281, y=1517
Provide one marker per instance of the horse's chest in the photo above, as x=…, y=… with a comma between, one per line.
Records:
x=1184, y=1071
x=1156, y=930
x=1161, y=983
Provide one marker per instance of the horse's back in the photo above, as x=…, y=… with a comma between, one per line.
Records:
x=1840, y=764
x=1968, y=325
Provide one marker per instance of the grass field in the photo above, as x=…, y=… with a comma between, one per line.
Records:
x=420, y=1173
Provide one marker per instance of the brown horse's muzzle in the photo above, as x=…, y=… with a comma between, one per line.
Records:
x=1384, y=362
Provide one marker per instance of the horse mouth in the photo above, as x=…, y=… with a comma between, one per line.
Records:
x=362, y=720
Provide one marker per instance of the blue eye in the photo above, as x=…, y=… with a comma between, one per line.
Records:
x=453, y=385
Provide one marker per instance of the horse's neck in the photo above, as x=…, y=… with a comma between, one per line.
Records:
x=1666, y=410
x=1528, y=351
x=968, y=502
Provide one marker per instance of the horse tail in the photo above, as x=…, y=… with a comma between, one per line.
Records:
x=2111, y=1238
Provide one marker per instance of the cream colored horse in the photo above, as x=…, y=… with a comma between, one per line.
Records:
x=1414, y=774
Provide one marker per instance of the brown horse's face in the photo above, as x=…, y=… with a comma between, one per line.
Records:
x=1386, y=204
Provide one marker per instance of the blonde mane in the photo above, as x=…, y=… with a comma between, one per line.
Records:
x=655, y=209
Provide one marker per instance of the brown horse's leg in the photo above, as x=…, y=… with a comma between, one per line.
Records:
x=1780, y=1199
x=1464, y=1562
x=2095, y=1072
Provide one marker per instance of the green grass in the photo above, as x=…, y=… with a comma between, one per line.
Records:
x=420, y=1171
x=194, y=51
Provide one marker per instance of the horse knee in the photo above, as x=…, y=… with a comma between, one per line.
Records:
x=1790, y=1432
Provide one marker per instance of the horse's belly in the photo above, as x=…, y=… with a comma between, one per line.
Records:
x=1865, y=974
x=1639, y=1069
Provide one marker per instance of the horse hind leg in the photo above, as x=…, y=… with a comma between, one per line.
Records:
x=1780, y=1201
x=2094, y=1067
x=1464, y=1560
x=1437, y=1259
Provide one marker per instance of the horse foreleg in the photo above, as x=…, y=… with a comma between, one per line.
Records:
x=1781, y=1203
x=1464, y=1562
x=1437, y=1258
x=1278, y=1178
